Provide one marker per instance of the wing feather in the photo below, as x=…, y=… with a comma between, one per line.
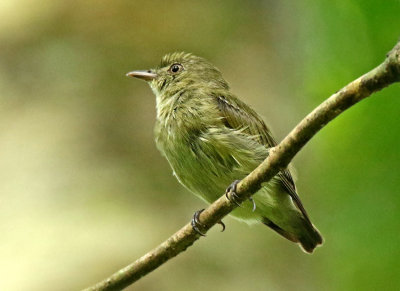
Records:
x=237, y=115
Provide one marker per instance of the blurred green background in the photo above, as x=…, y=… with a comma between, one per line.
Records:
x=83, y=190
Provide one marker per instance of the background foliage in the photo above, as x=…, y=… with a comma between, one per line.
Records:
x=83, y=190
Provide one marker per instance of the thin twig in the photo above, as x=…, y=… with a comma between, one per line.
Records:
x=384, y=75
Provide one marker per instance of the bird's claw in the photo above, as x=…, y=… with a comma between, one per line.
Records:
x=222, y=224
x=254, y=204
x=196, y=224
x=230, y=194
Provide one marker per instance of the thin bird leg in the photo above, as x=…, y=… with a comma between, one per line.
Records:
x=196, y=224
x=230, y=194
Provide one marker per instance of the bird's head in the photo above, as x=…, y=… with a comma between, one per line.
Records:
x=181, y=71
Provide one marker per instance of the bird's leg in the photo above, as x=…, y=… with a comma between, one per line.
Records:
x=196, y=223
x=230, y=194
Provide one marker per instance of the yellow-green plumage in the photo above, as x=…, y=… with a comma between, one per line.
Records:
x=211, y=138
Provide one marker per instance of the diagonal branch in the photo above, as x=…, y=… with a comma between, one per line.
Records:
x=383, y=75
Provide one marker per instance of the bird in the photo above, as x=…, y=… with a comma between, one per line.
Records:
x=213, y=139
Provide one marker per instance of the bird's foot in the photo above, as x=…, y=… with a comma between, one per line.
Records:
x=230, y=194
x=196, y=224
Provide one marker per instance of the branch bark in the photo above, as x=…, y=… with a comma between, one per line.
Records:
x=280, y=156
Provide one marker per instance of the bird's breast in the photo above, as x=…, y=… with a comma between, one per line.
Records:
x=203, y=158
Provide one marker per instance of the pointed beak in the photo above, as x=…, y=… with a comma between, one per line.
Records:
x=144, y=75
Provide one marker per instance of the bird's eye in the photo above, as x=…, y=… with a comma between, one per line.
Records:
x=175, y=68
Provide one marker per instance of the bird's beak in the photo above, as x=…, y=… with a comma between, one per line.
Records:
x=144, y=75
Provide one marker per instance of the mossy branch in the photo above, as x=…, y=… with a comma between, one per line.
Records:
x=383, y=75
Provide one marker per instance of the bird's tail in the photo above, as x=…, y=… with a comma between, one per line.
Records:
x=308, y=238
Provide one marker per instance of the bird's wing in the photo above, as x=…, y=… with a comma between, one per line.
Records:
x=237, y=115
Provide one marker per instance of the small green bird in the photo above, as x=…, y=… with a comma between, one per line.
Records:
x=211, y=138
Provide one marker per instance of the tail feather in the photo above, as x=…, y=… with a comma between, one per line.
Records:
x=309, y=238
x=279, y=230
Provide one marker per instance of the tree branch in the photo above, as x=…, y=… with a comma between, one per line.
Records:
x=383, y=75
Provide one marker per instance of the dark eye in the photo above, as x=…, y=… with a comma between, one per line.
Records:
x=175, y=68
